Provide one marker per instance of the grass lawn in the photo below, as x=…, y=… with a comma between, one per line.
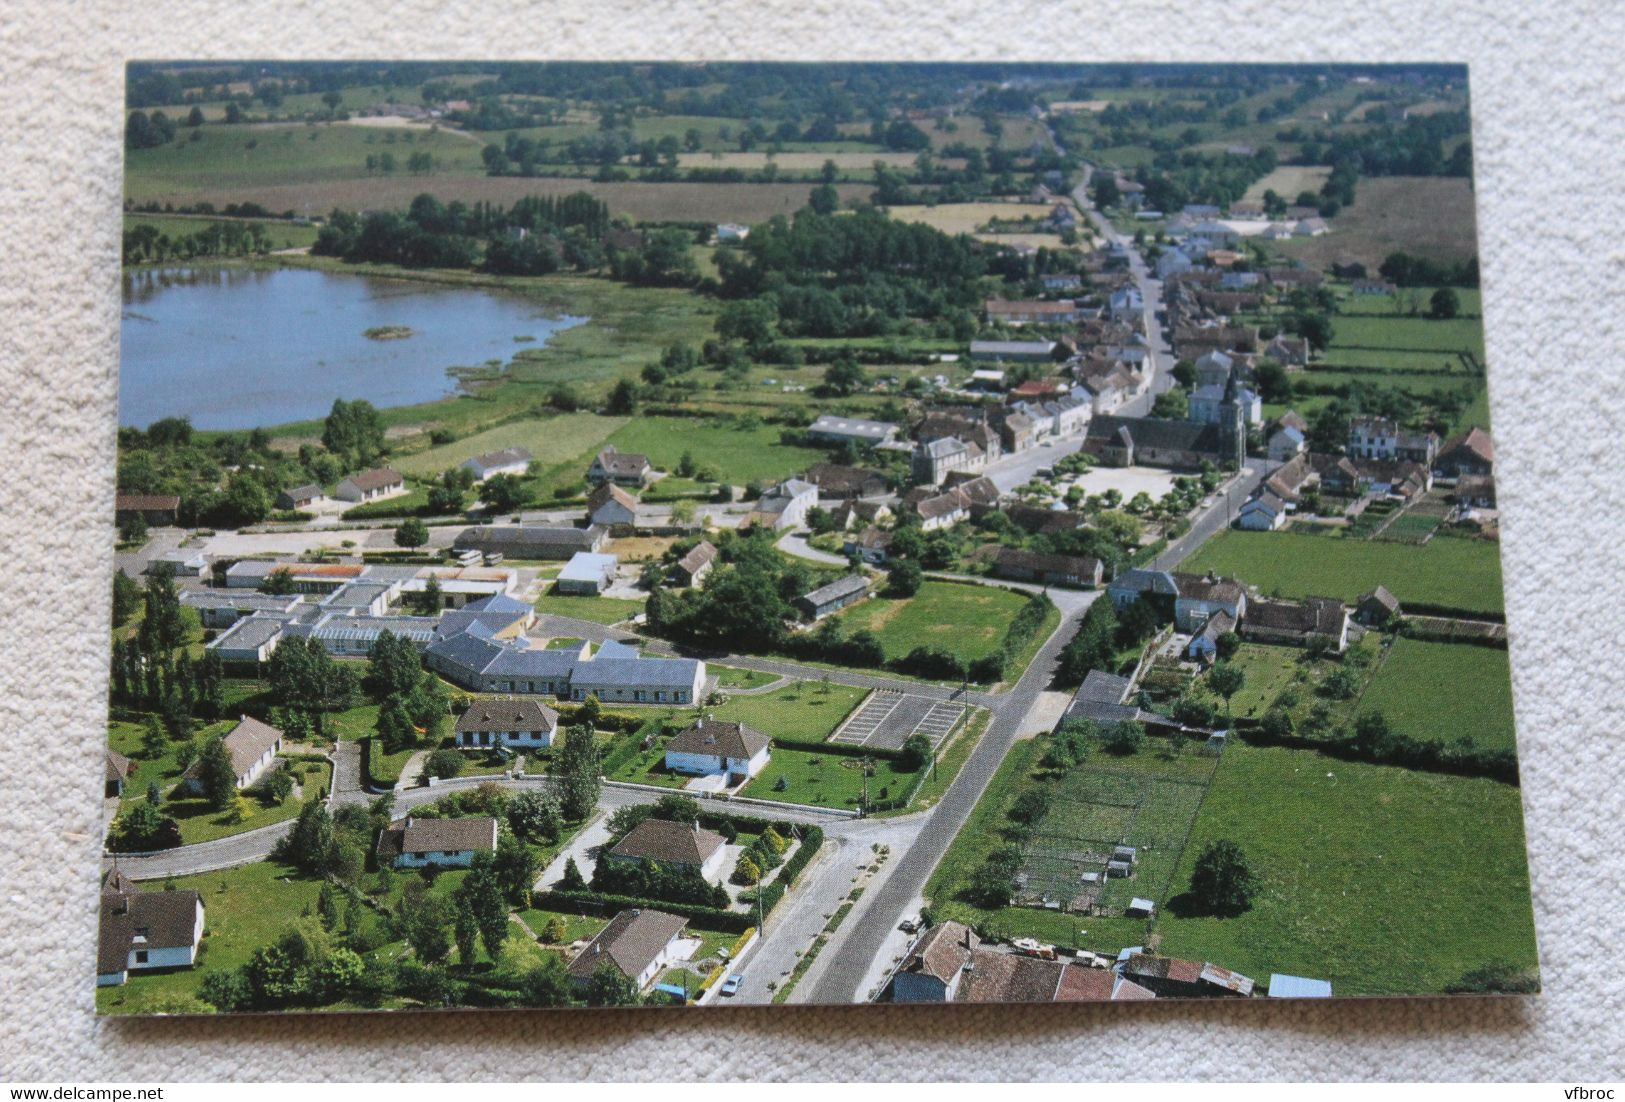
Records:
x=740, y=451
x=828, y=780
x=967, y=620
x=809, y=710
x=1445, y=691
x=550, y=440
x=1451, y=571
x=1268, y=670
x=576, y=927
x=730, y=678
x=1383, y=880
x=600, y=610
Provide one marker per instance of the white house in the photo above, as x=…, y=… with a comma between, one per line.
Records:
x=514, y=461
x=413, y=843
x=673, y=845
x=178, y=563
x=521, y=724
x=587, y=573
x=611, y=506
x=785, y=506
x=141, y=931
x=1264, y=513
x=252, y=746
x=712, y=747
x=380, y=482
x=638, y=944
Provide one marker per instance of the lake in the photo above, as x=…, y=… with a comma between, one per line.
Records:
x=234, y=348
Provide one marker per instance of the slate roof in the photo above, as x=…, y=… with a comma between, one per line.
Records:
x=1208, y=587
x=415, y=835
x=622, y=463
x=615, y=673
x=1382, y=597
x=631, y=942
x=161, y=920
x=507, y=715
x=1152, y=432
x=832, y=425
x=248, y=741
x=840, y=587
x=669, y=843
x=500, y=537
x=719, y=738
x=308, y=492
x=607, y=492
x=1313, y=616
x=506, y=457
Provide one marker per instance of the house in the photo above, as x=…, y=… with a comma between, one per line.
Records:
x=639, y=944
x=177, y=563
x=934, y=460
x=834, y=596
x=379, y=482
x=673, y=845
x=711, y=747
x=1030, y=566
x=612, y=507
x=1287, y=351
x=1034, y=311
x=1476, y=491
x=1472, y=453
x=838, y=483
x=872, y=545
x=942, y=510
x=251, y=639
x=1282, y=986
x=1126, y=302
x=1153, y=442
x=531, y=541
x=119, y=769
x=514, y=461
x=1062, y=281
x=1027, y=352
x=152, y=508
x=416, y=843
x=731, y=231
x=831, y=429
x=1311, y=227
x=935, y=966
x=1172, y=262
x=1264, y=513
x=1062, y=218
x=1158, y=587
x=784, y=507
x=692, y=568
x=1209, y=404
x=1016, y=432
x=617, y=673
x=523, y=724
x=1314, y=620
x=1376, y=608
x=1170, y=977
x=1201, y=595
x=144, y=931
x=860, y=514
x=1384, y=438
x=623, y=468
x=301, y=497
x=1204, y=644
x=587, y=574
x=252, y=747
x=1284, y=443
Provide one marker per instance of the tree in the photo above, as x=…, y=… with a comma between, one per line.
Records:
x=1444, y=304
x=327, y=906
x=443, y=763
x=905, y=578
x=534, y=814
x=845, y=376
x=1226, y=680
x=309, y=847
x=609, y=986
x=578, y=773
x=354, y=430
x=1222, y=882
x=480, y=898
x=393, y=666
x=623, y=398
x=824, y=199
x=395, y=730
x=547, y=984
x=423, y=924
x=304, y=677
x=217, y=775
x=503, y=493
x=515, y=869
x=430, y=598
x=1227, y=644
x=412, y=533
x=126, y=597
x=1124, y=738
x=746, y=872
x=572, y=880
x=916, y=754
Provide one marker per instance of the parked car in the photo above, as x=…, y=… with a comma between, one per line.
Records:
x=910, y=925
x=730, y=986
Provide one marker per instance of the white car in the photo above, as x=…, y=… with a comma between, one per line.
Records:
x=730, y=986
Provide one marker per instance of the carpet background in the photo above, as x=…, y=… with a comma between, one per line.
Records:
x=1547, y=108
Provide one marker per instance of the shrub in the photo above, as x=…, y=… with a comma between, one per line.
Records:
x=443, y=763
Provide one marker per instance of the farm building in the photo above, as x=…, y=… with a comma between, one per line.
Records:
x=531, y=541
x=834, y=596
x=587, y=574
x=152, y=508
x=832, y=429
x=1031, y=566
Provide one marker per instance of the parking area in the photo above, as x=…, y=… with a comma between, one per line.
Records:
x=888, y=717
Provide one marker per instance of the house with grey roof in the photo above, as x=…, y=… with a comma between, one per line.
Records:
x=692, y=568
x=300, y=497
x=610, y=507
x=784, y=507
x=712, y=747
x=623, y=468
x=520, y=724
x=143, y=931
x=252, y=746
x=673, y=845
x=834, y=596
x=831, y=428
x=221, y=608
x=514, y=461
x=370, y=485
x=639, y=944
x=531, y=541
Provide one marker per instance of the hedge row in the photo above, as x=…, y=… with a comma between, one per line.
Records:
x=1428, y=755
x=837, y=749
x=1422, y=608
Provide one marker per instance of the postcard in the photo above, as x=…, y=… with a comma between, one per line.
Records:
x=712, y=534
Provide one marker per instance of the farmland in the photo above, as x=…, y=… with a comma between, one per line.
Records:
x=283, y=235
x=1445, y=691
x=744, y=451
x=1424, y=215
x=1452, y=571
x=967, y=620
x=1287, y=181
x=1365, y=875
x=550, y=440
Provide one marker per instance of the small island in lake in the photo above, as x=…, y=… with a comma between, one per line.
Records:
x=388, y=332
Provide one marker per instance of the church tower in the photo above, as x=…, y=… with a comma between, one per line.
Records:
x=1233, y=425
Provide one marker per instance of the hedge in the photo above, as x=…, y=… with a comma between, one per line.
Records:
x=837, y=749
x=726, y=921
x=1429, y=755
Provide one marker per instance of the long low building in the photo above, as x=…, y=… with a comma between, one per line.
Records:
x=531, y=541
x=615, y=673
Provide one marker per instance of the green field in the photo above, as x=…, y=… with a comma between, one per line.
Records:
x=599, y=610
x=829, y=780
x=1445, y=691
x=1451, y=571
x=1385, y=881
x=740, y=452
x=1268, y=670
x=550, y=440
x=730, y=678
x=967, y=620
x=283, y=235
x=807, y=710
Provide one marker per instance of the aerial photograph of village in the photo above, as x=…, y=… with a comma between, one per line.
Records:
x=663, y=534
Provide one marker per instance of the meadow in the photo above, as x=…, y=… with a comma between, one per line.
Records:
x=550, y=440
x=1424, y=215
x=805, y=710
x=1385, y=881
x=966, y=620
x=1445, y=691
x=283, y=234
x=1452, y=571
x=741, y=451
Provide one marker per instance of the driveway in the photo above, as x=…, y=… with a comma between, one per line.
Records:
x=793, y=543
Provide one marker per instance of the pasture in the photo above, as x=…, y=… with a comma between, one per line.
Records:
x=1287, y=181
x=966, y=620
x=1452, y=571
x=739, y=451
x=283, y=234
x=968, y=217
x=549, y=439
x=1429, y=216
x=1385, y=881
x=1445, y=691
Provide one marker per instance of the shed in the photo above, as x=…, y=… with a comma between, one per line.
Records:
x=1141, y=908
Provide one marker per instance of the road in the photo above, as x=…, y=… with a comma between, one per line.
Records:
x=1214, y=518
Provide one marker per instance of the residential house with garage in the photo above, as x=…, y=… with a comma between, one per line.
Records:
x=142, y=931
x=517, y=724
x=514, y=461
x=370, y=485
x=711, y=747
x=252, y=747
x=639, y=944
x=622, y=468
x=673, y=846
x=609, y=506
x=417, y=843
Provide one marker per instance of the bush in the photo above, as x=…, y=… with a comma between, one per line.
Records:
x=443, y=763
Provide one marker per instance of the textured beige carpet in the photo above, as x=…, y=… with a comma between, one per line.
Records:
x=1547, y=124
